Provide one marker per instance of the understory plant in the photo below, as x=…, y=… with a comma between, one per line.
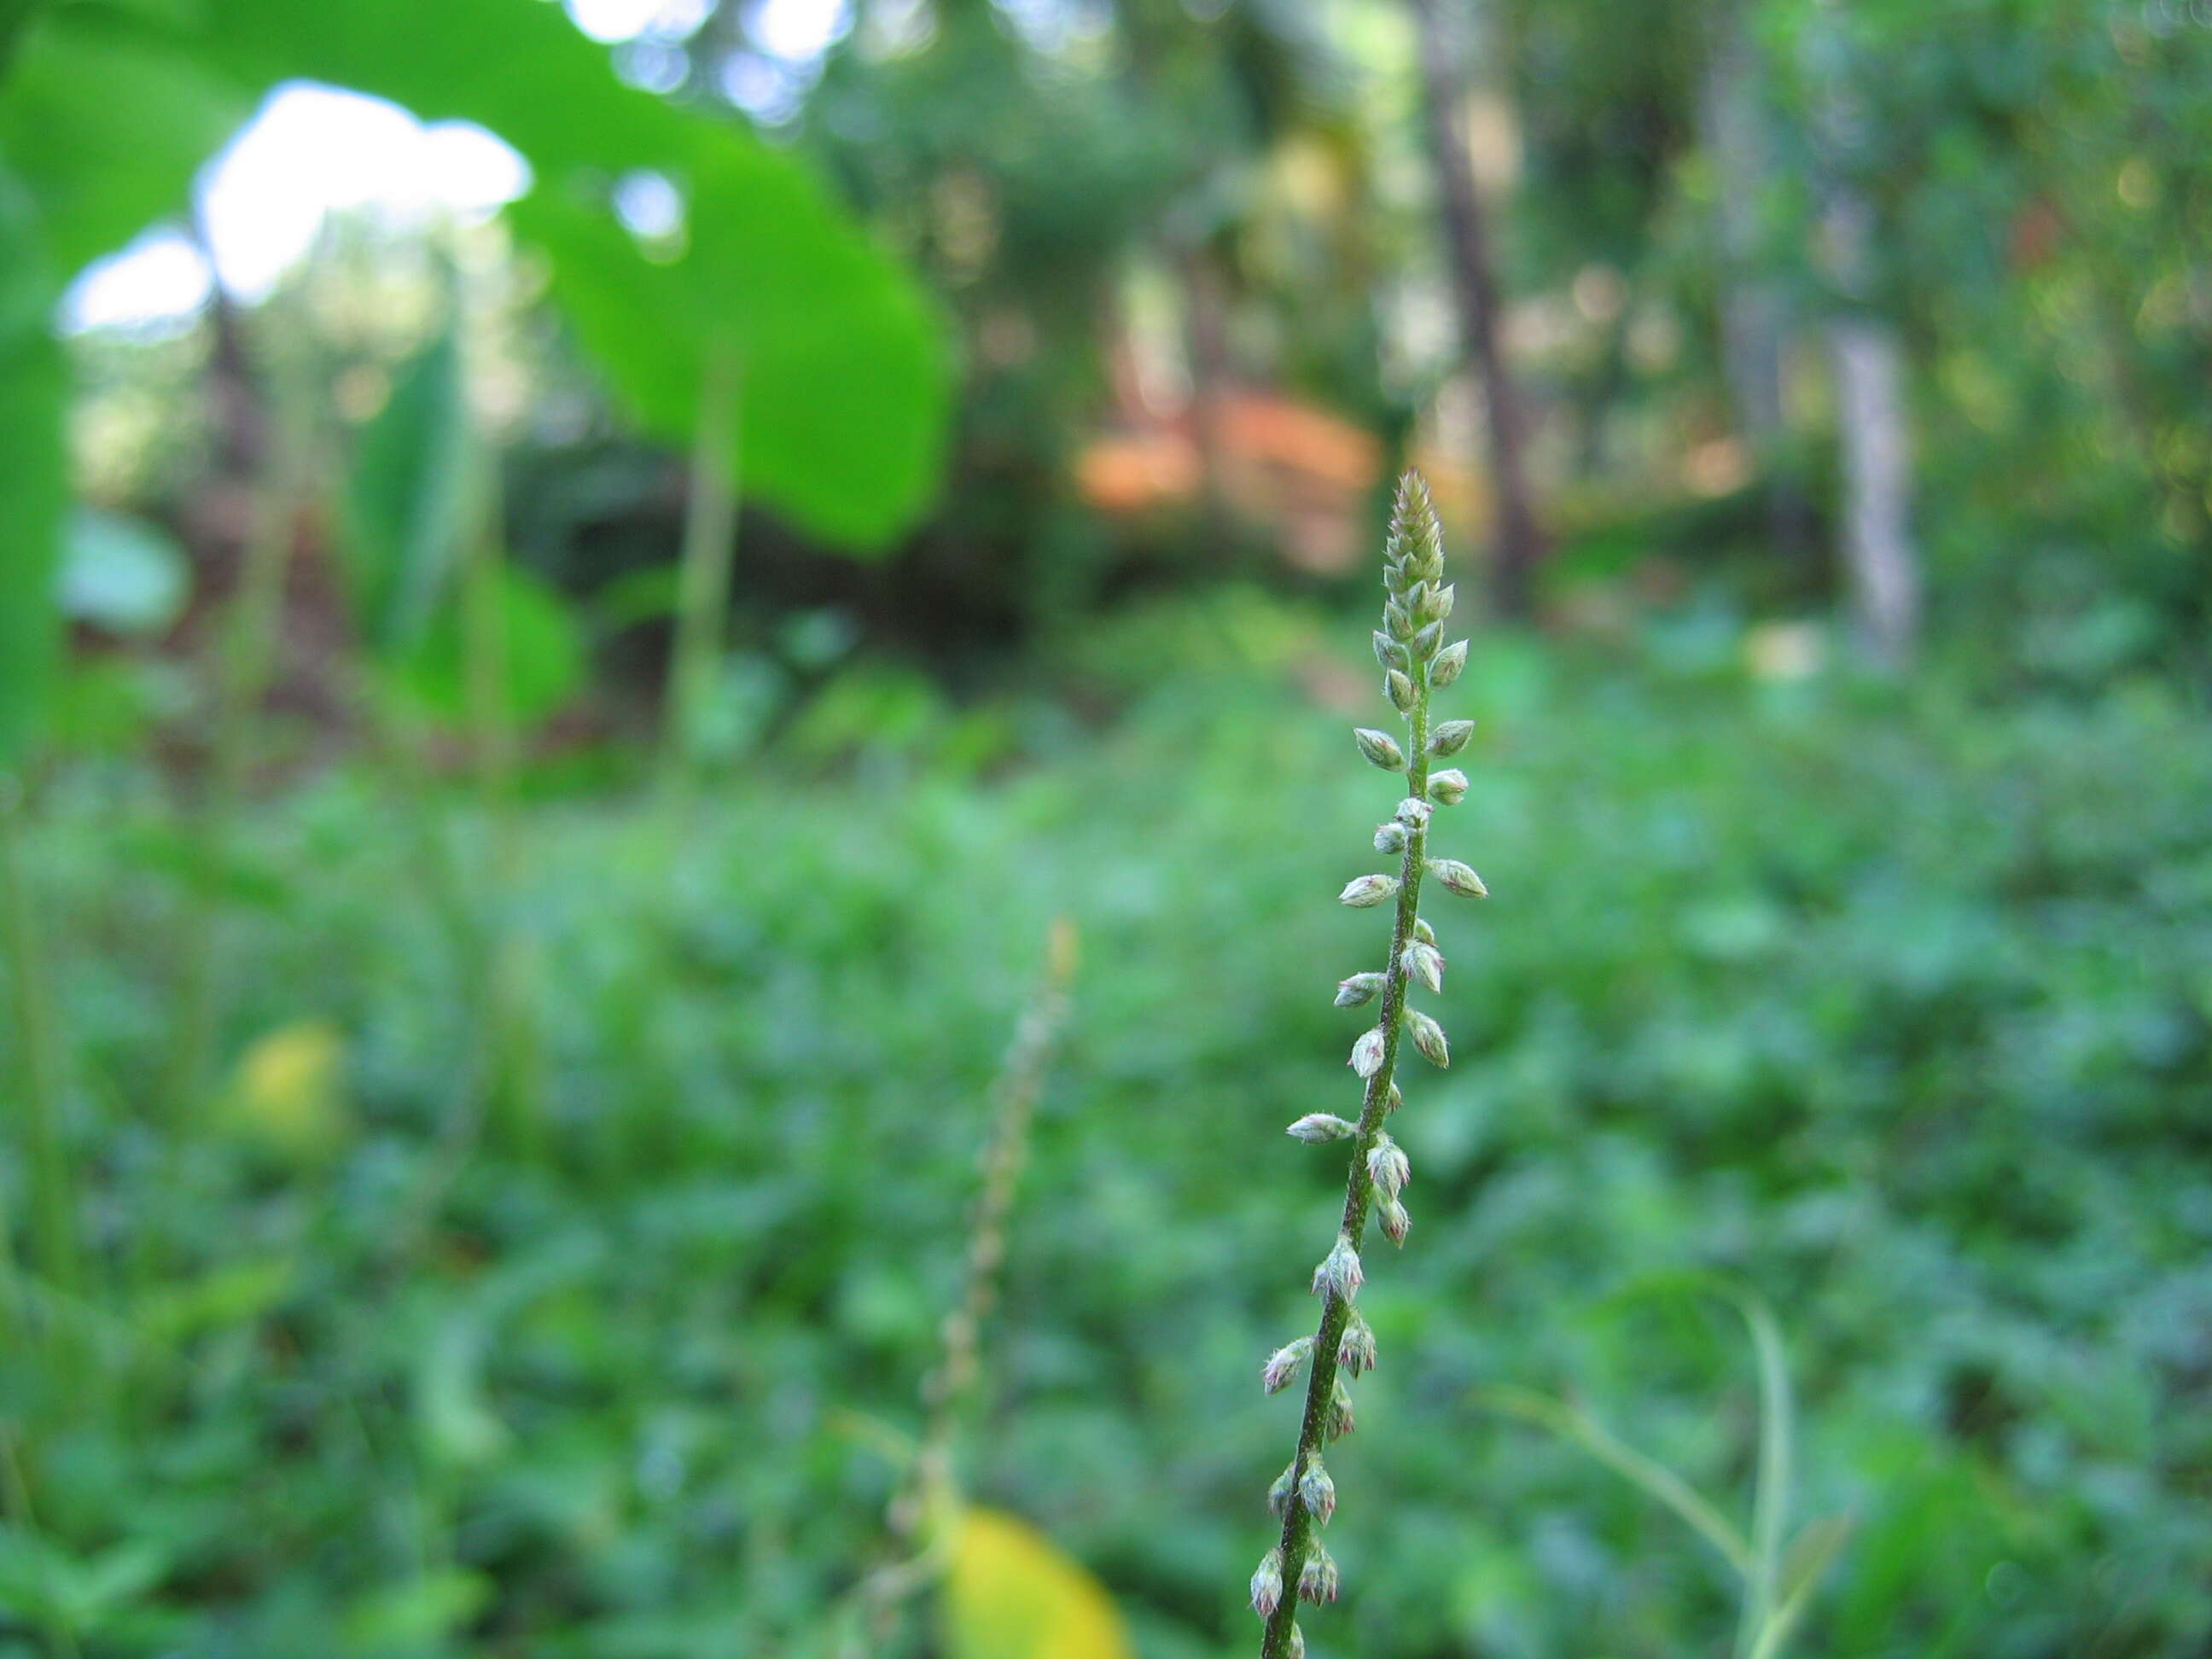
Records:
x=1415, y=662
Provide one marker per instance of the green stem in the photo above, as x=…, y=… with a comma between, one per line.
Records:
x=1358, y=1189
x=503, y=984
x=248, y=665
x=40, y=1053
x=702, y=595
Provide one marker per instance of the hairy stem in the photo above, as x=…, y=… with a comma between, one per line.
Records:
x=1359, y=1186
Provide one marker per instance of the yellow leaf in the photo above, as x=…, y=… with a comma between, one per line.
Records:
x=286, y=1092
x=1010, y=1595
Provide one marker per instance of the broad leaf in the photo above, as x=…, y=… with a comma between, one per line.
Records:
x=408, y=500
x=33, y=470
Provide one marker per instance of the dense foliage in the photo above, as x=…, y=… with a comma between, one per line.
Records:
x=1893, y=1006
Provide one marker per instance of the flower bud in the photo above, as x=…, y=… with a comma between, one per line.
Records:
x=1267, y=1585
x=1388, y=652
x=1317, y=1492
x=1380, y=748
x=1338, y=1273
x=1317, y=1579
x=1400, y=690
x=1450, y=737
x=1339, y=1420
x=1448, y=786
x=1367, y=1053
x=1390, y=837
x=1446, y=668
x=1387, y=1166
x=1298, y=1645
x=1413, y=812
x=1316, y=1127
x=1453, y=875
x=1360, y=987
x=1286, y=1487
x=1398, y=620
x=1425, y=964
x=1428, y=1037
x=1355, y=1349
x=1423, y=931
x=1283, y=1364
x=1364, y=892
x=1434, y=605
x=1396, y=1099
x=1396, y=1223
x=1424, y=641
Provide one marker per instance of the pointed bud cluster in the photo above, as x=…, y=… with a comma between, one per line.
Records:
x=1267, y=1585
x=1455, y=876
x=1448, y=786
x=1414, y=547
x=1380, y=749
x=1338, y=1422
x=1396, y=1223
x=1283, y=1364
x=1425, y=964
x=1317, y=1579
x=1360, y=987
x=1428, y=1037
x=1317, y=1491
x=1387, y=1166
x=1367, y=1053
x=1316, y=1127
x=1390, y=837
x=1449, y=663
x=1432, y=604
x=1450, y=737
x=1285, y=1489
x=1355, y=1349
x=1365, y=892
x=1338, y=1274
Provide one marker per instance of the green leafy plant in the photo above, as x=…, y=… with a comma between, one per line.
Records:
x=1415, y=662
x=1778, y=1573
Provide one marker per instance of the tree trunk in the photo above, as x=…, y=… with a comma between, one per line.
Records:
x=1754, y=315
x=1884, y=566
x=1520, y=542
x=1868, y=360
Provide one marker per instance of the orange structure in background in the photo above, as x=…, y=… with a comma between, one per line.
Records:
x=1305, y=476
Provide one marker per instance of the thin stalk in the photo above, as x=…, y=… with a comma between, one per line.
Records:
x=250, y=636
x=504, y=985
x=923, y=1506
x=39, y=1050
x=1298, y=1525
x=1415, y=663
x=702, y=594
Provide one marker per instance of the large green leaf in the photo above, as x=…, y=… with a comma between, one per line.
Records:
x=845, y=392
x=32, y=470
x=105, y=120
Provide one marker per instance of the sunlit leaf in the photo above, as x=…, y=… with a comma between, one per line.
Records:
x=1011, y=1594
x=121, y=574
x=287, y=1089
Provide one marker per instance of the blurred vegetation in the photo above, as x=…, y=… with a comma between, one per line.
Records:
x=538, y=749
